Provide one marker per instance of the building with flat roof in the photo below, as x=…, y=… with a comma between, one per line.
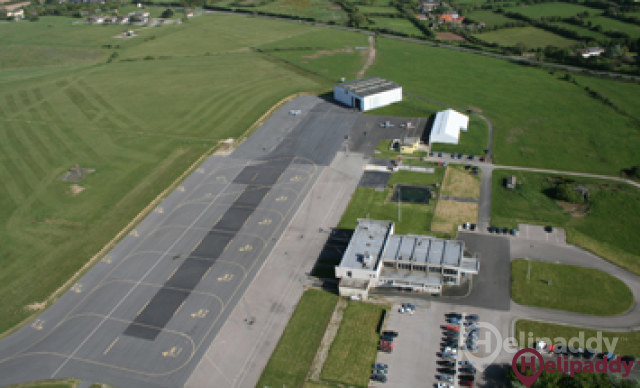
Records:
x=447, y=126
x=376, y=257
x=368, y=93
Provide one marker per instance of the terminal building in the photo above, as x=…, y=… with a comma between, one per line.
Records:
x=376, y=257
x=368, y=93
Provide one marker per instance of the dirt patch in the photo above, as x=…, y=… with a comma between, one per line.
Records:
x=226, y=147
x=371, y=57
x=321, y=53
x=460, y=183
x=576, y=210
x=450, y=37
x=36, y=306
x=450, y=214
x=76, y=189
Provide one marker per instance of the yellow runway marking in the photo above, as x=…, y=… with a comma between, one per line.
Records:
x=135, y=233
x=173, y=273
x=181, y=304
x=246, y=248
x=38, y=324
x=266, y=221
x=110, y=346
x=204, y=275
x=77, y=288
x=281, y=198
x=200, y=313
x=159, y=210
x=107, y=259
x=226, y=278
x=254, y=177
x=143, y=307
x=173, y=352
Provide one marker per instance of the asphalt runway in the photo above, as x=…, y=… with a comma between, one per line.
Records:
x=144, y=315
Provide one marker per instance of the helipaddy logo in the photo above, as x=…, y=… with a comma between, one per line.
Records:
x=536, y=364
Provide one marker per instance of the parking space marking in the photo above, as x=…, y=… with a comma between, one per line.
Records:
x=110, y=346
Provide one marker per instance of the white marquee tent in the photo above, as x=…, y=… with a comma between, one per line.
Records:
x=447, y=126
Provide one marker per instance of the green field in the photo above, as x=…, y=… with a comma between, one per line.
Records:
x=608, y=24
x=140, y=124
x=628, y=343
x=552, y=9
x=328, y=52
x=531, y=37
x=366, y=201
x=368, y=9
x=606, y=225
x=622, y=94
x=290, y=361
x=395, y=24
x=535, y=114
x=581, y=30
x=320, y=10
x=354, y=349
x=472, y=142
x=489, y=18
x=576, y=289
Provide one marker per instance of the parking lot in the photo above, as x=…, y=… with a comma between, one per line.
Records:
x=416, y=350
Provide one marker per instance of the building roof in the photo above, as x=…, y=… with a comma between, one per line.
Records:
x=447, y=125
x=368, y=239
x=369, y=86
x=424, y=250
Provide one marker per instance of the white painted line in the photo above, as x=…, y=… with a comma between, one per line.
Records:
x=138, y=283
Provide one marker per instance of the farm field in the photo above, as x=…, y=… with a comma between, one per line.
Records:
x=609, y=24
x=621, y=94
x=139, y=124
x=530, y=128
x=291, y=360
x=354, y=348
x=377, y=9
x=595, y=292
x=603, y=225
x=581, y=30
x=320, y=10
x=628, y=343
x=552, y=9
x=401, y=25
x=531, y=37
x=489, y=18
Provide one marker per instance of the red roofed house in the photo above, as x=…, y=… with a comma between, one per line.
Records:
x=450, y=17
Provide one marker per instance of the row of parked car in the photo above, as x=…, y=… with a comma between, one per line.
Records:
x=457, y=156
x=452, y=341
x=499, y=230
x=379, y=371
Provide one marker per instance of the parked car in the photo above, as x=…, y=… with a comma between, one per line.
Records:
x=472, y=227
x=472, y=317
x=465, y=363
x=445, y=378
x=466, y=383
x=453, y=320
x=442, y=384
x=466, y=378
x=447, y=371
x=380, y=366
x=380, y=371
x=589, y=353
x=447, y=363
x=548, y=228
x=467, y=369
x=453, y=315
x=439, y=154
x=390, y=333
x=378, y=377
x=514, y=232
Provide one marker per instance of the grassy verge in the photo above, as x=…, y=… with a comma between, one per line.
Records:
x=58, y=383
x=606, y=224
x=577, y=289
x=354, y=349
x=290, y=361
x=627, y=343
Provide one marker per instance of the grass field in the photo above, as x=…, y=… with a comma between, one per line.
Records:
x=531, y=37
x=472, y=142
x=460, y=183
x=325, y=51
x=607, y=225
x=290, y=361
x=576, y=289
x=581, y=30
x=449, y=214
x=396, y=24
x=622, y=94
x=608, y=24
x=626, y=343
x=489, y=18
x=140, y=124
x=535, y=114
x=367, y=201
x=320, y=10
x=368, y=9
x=354, y=349
x=552, y=9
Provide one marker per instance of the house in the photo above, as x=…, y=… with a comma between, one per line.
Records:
x=591, y=52
x=409, y=145
x=510, y=182
x=447, y=126
x=429, y=5
x=450, y=17
x=16, y=14
x=368, y=93
x=376, y=257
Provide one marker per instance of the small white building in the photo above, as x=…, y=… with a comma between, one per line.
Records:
x=591, y=52
x=447, y=126
x=368, y=93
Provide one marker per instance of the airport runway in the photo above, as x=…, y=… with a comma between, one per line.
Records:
x=145, y=314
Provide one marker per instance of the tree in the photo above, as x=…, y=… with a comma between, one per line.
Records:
x=167, y=13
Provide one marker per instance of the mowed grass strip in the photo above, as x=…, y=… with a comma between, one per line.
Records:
x=460, y=183
x=354, y=349
x=625, y=343
x=290, y=361
x=576, y=289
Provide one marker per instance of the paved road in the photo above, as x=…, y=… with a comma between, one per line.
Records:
x=146, y=313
